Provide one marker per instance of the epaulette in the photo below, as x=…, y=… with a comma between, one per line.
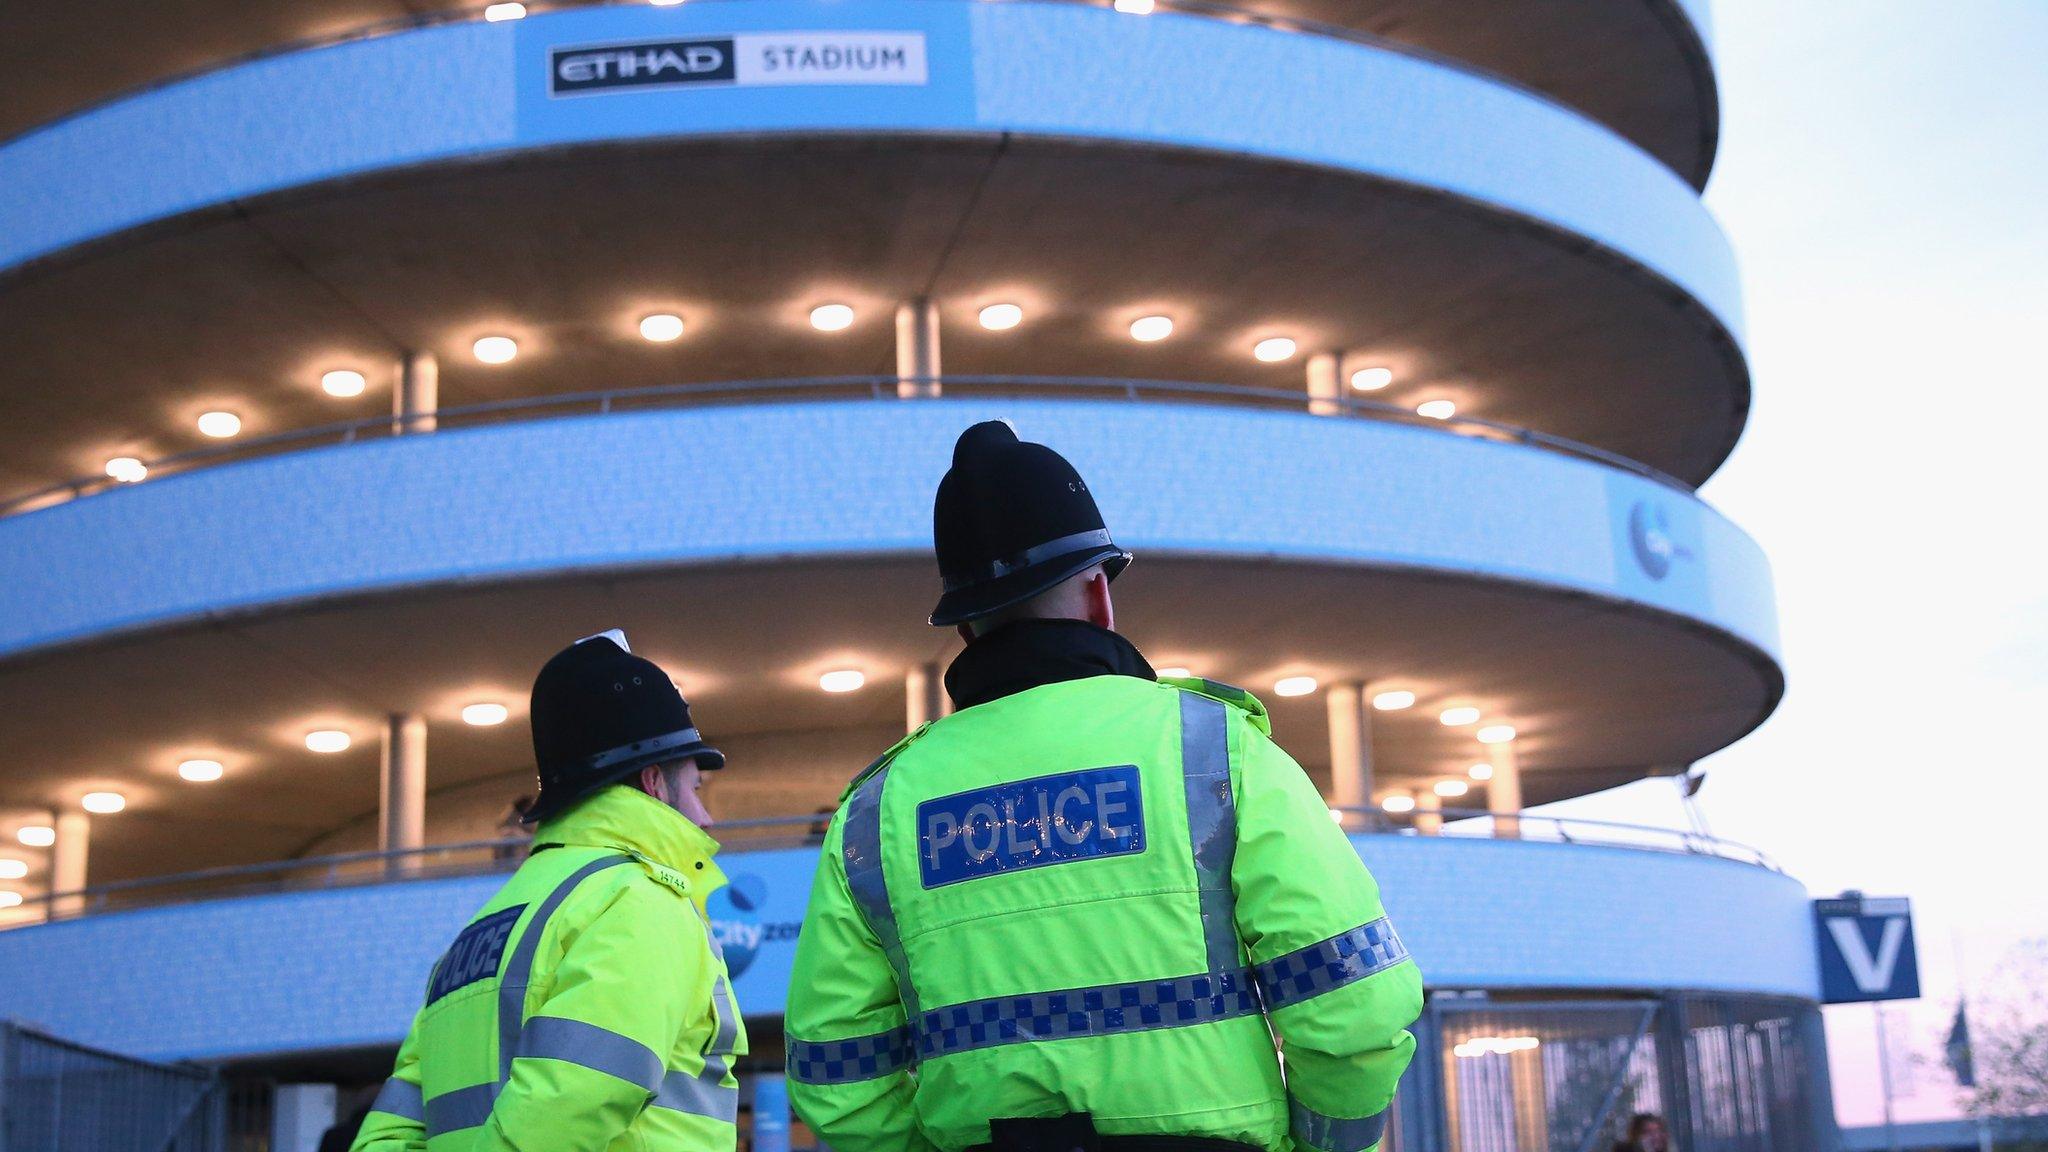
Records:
x=664, y=875
x=1230, y=694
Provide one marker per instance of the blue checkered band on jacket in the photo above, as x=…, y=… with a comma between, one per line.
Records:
x=1100, y=1011
x=844, y=1061
x=1331, y=964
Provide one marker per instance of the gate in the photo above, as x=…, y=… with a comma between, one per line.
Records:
x=56, y=1096
x=1726, y=1073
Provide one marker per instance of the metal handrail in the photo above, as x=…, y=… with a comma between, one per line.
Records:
x=1211, y=9
x=607, y=401
x=350, y=869
x=1477, y=823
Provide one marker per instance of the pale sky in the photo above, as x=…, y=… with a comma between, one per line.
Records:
x=1883, y=175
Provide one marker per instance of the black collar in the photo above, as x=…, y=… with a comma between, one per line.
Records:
x=1029, y=653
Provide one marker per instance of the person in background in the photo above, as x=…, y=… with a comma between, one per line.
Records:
x=514, y=833
x=1646, y=1133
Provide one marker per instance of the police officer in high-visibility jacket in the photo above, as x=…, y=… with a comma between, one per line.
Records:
x=586, y=1006
x=1078, y=912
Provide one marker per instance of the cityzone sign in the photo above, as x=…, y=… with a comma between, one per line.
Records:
x=741, y=59
x=1866, y=949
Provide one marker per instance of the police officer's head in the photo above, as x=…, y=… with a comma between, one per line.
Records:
x=603, y=716
x=1018, y=535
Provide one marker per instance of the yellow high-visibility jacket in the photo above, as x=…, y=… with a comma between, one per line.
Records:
x=1102, y=895
x=585, y=1008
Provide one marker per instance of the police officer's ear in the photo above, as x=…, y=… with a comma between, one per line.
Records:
x=1095, y=591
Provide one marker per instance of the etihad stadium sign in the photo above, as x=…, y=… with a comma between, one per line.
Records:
x=746, y=58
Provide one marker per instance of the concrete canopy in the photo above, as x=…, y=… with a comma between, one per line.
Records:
x=1639, y=66
x=116, y=348
x=1599, y=693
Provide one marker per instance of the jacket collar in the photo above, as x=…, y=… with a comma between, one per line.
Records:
x=628, y=820
x=1028, y=654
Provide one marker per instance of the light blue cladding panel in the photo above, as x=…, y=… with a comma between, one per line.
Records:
x=854, y=477
x=346, y=968
x=1062, y=70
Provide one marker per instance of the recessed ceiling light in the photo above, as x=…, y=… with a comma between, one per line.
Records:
x=342, y=382
x=1176, y=673
x=661, y=327
x=664, y=3
x=1451, y=788
x=36, y=835
x=498, y=13
x=127, y=469
x=1398, y=804
x=844, y=680
x=1372, y=379
x=1436, y=409
x=219, y=425
x=998, y=317
x=1147, y=329
x=200, y=771
x=1336, y=816
x=1294, y=686
x=103, y=803
x=1496, y=734
x=495, y=349
x=485, y=714
x=1134, y=7
x=13, y=869
x=327, y=740
x=1393, y=701
x=10, y=899
x=832, y=317
x=1480, y=771
x=1273, y=349
x=1459, y=717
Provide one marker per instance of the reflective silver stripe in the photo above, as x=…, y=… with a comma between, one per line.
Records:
x=1332, y=1134
x=462, y=1108
x=678, y=739
x=1103, y=1010
x=400, y=1098
x=592, y=1047
x=519, y=969
x=1095, y=538
x=699, y=1096
x=845, y=1061
x=1212, y=821
x=718, y=1058
x=1330, y=964
x=862, y=851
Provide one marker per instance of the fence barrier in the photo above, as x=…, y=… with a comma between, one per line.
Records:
x=57, y=1096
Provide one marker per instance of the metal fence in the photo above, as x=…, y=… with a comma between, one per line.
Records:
x=879, y=388
x=479, y=857
x=1725, y=1073
x=56, y=1096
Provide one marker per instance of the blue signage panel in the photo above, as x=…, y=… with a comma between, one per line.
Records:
x=1866, y=949
x=756, y=918
x=1053, y=819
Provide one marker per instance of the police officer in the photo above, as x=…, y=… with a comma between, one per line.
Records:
x=1077, y=912
x=587, y=1006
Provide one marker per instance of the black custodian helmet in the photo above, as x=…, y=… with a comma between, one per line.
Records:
x=599, y=715
x=1011, y=520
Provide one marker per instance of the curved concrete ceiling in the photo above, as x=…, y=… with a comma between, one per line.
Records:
x=1639, y=66
x=1599, y=693
x=116, y=349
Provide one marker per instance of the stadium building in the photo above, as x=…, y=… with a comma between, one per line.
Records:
x=357, y=355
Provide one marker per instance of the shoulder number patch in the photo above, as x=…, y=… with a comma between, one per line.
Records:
x=1030, y=823
x=475, y=954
